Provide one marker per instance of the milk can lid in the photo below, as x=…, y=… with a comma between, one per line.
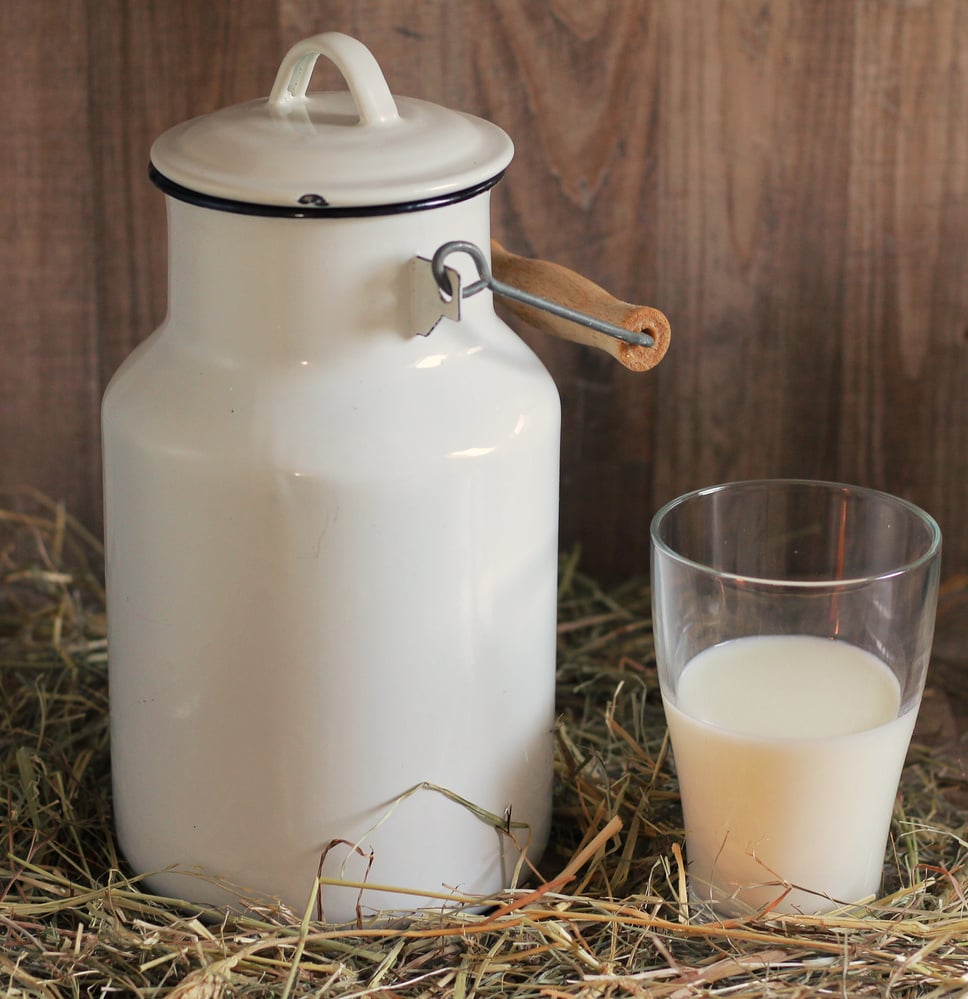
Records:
x=360, y=151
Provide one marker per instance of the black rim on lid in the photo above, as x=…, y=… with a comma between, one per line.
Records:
x=311, y=206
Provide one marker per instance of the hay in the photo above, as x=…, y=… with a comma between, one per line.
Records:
x=612, y=918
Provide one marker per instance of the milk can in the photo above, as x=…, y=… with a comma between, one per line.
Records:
x=330, y=542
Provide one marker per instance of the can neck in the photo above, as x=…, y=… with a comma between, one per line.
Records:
x=288, y=287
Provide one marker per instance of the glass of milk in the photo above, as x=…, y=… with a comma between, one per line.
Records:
x=793, y=626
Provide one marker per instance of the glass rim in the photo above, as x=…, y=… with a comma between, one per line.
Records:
x=931, y=552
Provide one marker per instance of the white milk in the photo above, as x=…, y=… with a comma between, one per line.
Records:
x=789, y=751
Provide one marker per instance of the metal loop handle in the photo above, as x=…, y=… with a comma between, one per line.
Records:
x=480, y=262
x=487, y=280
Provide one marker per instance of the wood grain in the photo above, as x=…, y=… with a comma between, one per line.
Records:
x=559, y=286
x=786, y=181
x=49, y=380
x=904, y=380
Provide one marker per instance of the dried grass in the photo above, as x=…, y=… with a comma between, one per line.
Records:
x=612, y=919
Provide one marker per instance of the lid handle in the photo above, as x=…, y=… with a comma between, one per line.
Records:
x=361, y=71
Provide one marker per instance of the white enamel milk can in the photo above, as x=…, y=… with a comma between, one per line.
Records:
x=330, y=543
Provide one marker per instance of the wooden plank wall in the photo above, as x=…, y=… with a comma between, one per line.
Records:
x=787, y=180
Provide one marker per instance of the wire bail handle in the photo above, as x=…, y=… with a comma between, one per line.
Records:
x=451, y=292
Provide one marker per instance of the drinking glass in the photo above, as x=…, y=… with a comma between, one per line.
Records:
x=793, y=626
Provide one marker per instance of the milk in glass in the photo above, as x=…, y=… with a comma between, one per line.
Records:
x=789, y=749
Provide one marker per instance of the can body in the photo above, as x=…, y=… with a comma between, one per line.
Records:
x=331, y=563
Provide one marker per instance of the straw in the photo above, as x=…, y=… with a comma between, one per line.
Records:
x=606, y=915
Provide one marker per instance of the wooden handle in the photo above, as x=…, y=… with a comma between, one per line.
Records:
x=559, y=284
